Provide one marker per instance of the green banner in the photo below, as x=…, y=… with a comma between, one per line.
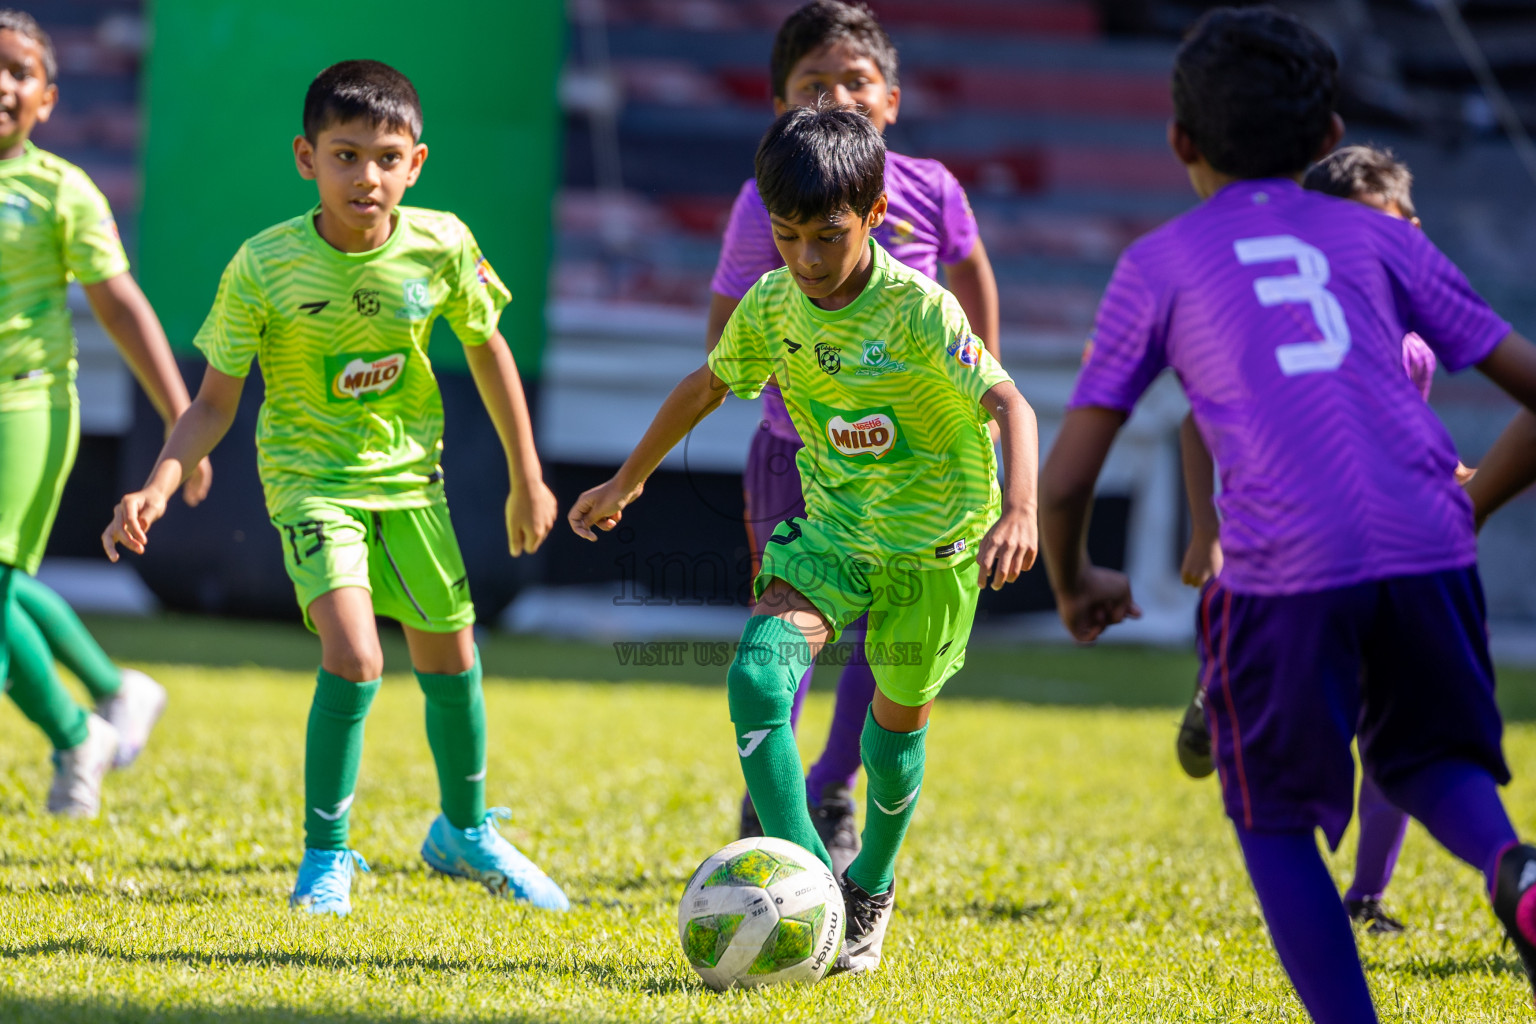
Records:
x=224, y=92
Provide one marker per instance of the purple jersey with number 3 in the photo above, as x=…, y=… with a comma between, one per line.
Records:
x=928, y=222
x=1283, y=312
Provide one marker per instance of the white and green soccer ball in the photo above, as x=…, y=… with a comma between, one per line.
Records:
x=762, y=911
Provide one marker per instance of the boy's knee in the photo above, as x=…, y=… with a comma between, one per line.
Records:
x=762, y=680
x=356, y=664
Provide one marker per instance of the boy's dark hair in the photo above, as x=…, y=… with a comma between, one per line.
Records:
x=822, y=23
x=366, y=89
x=1356, y=170
x=1255, y=90
x=24, y=24
x=815, y=163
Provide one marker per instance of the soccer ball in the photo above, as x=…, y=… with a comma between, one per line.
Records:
x=761, y=912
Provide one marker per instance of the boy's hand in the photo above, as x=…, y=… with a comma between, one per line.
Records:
x=602, y=506
x=531, y=512
x=1008, y=549
x=1202, y=560
x=1101, y=598
x=198, y=484
x=131, y=521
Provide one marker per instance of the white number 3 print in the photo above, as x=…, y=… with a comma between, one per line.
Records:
x=1309, y=285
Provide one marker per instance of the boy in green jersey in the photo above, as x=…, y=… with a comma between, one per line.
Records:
x=337, y=305
x=904, y=518
x=55, y=227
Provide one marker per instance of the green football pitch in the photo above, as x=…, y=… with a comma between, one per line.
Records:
x=1059, y=867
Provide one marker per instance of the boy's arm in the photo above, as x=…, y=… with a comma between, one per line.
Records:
x=531, y=507
x=197, y=431
x=1088, y=599
x=1010, y=546
x=130, y=321
x=973, y=283
x=699, y=394
x=1507, y=469
x=1203, y=558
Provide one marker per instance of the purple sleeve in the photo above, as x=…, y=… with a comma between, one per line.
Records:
x=747, y=252
x=1419, y=363
x=1458, y=325
x=1126, y=349
x=958, y=223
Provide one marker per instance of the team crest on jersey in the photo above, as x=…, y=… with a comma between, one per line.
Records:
x=877, y=361
x=367, y=301
x=363, y=377
x=828, y=358
x=965, y=349
x=872, y=435
x=417, y=295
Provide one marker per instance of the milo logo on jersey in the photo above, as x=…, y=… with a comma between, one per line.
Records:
x=872, y=434
x=363, y=377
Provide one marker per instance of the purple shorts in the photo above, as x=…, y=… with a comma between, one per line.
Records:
x=771, y=486
x=1289, y=681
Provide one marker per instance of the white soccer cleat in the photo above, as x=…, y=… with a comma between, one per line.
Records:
x=868, y=917
x=133, y=710
x=78, y=771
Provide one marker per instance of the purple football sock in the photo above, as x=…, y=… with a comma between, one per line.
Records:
x=840, y=760
x=794, y=717
x=1382, y=828
x=1308, y=924
x=1459, y=803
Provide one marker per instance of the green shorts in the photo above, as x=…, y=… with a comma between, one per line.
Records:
x=919, y=619
x=37, y=451
x=408, y=559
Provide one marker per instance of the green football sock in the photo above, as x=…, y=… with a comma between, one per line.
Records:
x=333, y=750
x=893, y=762
x=456, y=733
x=761, y=684
x=35, y=684
x=67, y=636
x=8, y=576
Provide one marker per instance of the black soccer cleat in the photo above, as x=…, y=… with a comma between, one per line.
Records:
x=751, y=825
x=1514, y=903
x=867, y=919
x=1194, y=743
x=1377, y=921
x=835, y=824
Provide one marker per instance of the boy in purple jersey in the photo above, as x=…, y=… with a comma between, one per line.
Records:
x=1377, y=179
x=828, y=47
x=1349, y=600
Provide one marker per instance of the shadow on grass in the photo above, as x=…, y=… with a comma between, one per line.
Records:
x=1050, y=674
x=999, y=910
x=587, y=970
x=51, y=1010
x=1451, y=967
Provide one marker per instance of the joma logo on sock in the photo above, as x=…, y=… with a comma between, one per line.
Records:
x=341, y=809
x=901, y=804
x=754, y=739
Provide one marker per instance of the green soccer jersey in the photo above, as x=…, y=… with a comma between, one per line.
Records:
x=352, y=411
x=54, y=226
x=886, y=394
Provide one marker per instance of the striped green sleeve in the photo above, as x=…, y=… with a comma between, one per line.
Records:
x=233, y=330
x=92, y=250
x=741, y=358
x=474, y=305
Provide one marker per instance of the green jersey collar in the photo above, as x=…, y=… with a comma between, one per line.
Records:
x=17, y=164
x=876, y=281
x=350, y=257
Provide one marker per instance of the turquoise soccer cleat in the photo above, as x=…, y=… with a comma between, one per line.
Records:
x=325, y=881
x=482, y=854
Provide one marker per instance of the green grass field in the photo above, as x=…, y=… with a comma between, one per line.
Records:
x=1059, y=868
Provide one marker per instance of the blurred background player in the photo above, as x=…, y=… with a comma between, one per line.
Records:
x=337, y=305
x=55, y=226
x=840, y=51
x=904, y=518
x=1349, y=598
x=1377, y=179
